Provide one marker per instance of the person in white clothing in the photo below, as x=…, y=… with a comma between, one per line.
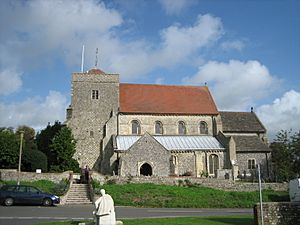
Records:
x=105, y=210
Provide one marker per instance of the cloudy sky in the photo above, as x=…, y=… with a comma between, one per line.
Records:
x=248, y=53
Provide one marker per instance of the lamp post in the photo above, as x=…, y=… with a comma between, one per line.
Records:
x=260, y=196
x=20, y=155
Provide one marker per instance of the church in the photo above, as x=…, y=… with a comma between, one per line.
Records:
x=161, y=130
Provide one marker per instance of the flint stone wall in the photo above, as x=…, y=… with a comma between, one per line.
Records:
x=7, y=175
x=278, y=213
x=222, y=184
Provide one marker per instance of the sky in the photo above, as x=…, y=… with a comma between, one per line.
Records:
x=247, y=52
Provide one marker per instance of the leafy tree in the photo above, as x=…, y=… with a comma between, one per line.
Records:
x=44, y=140
x=285, y=149
x=29, y=137
x=63, y=147
x=9, y=148
x=33, y=159
x=295, y=148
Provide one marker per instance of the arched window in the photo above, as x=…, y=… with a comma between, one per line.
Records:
x=158, y=127
x=203, y=128
x=213, y=164
x=135, y=127
x=181, y=127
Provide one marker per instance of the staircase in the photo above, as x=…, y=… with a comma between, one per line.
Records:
x=78, y=194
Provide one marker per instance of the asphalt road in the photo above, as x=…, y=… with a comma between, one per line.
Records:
x=23, y=215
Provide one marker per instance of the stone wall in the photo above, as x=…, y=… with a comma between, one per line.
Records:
x=169, y=122
x=8, y=175
x=278, y=213
x=145, y=150
x=222, y=184
x=260, y=158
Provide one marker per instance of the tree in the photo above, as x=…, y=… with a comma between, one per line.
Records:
x=29, y=137
x=44, y=140
x=295, y=148
x=284, y=155
x=34, y=159
x=9, y=148
x=63, y=147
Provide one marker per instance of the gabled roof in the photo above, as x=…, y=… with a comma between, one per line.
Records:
x=166, y=99
x=241, y=122
x=174, y=142
x=250, y=144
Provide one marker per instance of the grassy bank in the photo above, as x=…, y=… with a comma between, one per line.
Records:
x=151, y=195
x=228, y=220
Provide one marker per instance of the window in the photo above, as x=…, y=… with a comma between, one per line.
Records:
x=95, y=94
x=203, y=128
x=251, y=164
x=135, y=127
x=181, y=128
x=158, y=127
x=213, y=164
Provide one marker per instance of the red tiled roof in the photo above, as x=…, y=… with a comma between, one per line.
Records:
x=165, y=99
x=95, y=71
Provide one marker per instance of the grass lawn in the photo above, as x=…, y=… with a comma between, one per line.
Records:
x=165, y=196
x=227, y=220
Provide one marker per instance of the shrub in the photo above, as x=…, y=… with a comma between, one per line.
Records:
x=61, y=188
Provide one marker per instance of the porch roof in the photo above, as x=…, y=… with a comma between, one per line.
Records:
x=176, y=142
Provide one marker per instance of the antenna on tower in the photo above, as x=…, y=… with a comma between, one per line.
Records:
x=82, y=58
x=96, y=61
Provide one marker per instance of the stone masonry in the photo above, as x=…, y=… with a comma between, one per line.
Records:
x=88, y=115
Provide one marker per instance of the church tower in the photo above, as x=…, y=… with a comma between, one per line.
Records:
x=92, y=115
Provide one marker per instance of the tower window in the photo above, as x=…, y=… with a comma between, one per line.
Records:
x=95, y=94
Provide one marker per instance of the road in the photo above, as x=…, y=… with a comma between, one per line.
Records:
x=23, y=215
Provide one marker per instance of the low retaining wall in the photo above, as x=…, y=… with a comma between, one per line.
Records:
x=278, y=213
x=222, y=184
x=227, y=185
x=7, y=175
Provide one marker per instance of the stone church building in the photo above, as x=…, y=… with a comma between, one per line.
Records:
x=161, y=130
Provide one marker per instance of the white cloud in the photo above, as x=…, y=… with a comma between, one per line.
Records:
x=282, y=114
x=233, y=45
x=175, y=7
x=178, y=45
x=235, y=85
x=35, y=112
x=41, y=32
x=10, y=81
x=37, y=29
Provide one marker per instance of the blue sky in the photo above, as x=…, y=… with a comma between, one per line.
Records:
x=248, y=52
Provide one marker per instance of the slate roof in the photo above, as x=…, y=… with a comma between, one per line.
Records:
x=241, y=122
x=166, y=99
x=173, y=142
x=250, y=144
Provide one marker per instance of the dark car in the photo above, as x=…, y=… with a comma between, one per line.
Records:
x=23, y=194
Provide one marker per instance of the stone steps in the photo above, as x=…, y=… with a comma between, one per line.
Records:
x=78, y=194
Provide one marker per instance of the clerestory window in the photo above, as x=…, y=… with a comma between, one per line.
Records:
x=158, y=127
x=181, y=128
x=135, y=127
x=203, y=128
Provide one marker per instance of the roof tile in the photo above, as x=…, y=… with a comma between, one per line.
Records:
x=166, y=99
